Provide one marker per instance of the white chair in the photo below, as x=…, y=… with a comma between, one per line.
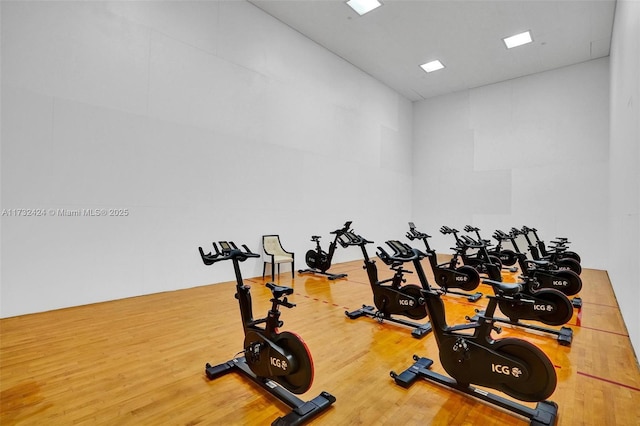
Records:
x=274, y=253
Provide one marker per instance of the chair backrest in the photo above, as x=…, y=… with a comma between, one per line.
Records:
x=271, y=245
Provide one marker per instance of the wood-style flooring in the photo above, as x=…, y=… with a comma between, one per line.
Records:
x=140, y=361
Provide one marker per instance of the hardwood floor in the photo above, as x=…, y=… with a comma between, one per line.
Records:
x=140, y=361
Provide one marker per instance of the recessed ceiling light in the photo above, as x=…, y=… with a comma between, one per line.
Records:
x=518, y=39
x=432, y=66
x=363, y=6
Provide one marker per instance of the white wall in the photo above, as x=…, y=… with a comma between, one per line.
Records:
x=624, y=187
x=530, y=151
x=205, y=121
x=211, y=120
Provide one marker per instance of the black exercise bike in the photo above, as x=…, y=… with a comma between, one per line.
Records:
x=557, y=257
x=470, y=355
x=391, y=297
x=449, y=275
x=544, y=305
x=318, y=260
x=507, y=257
x=543, y=272
x=475, y=254
x=559, y=248
x=278, y=361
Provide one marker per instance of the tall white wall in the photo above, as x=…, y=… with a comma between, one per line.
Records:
x=624, y=181
x=211, y=120
x=202, y=121
x=530, y=151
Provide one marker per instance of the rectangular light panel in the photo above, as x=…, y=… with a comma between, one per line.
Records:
x=432, y=66
x=363, y=6
x=518, y=40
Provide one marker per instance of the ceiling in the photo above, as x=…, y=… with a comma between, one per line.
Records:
x=391, y=42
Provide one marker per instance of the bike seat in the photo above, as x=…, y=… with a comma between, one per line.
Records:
x=279, y=291
x=504, y=288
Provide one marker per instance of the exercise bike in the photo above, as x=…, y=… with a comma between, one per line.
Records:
x=510, y=365
x=480, y=260
x=543, y=272
x=559, y=247
x=449, y=275
x=555, y=258
x=318, y=260
x=279, y=362
x=484, y=253
x=475, y=254
x=390, y=297
x=547, y=306
x=506, y=256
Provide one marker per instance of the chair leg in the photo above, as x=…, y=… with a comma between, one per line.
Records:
x=292, y=269
x=264, y=267
x=273, y=277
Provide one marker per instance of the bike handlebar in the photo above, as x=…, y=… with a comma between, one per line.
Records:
x=229, y=251
x=446, y=230
x=401, y=253
x=560, y=240
x=502, y=236
x=344, y=229
x=414, y=234
x=351, y=239
x=470, y=242
x=469, y=228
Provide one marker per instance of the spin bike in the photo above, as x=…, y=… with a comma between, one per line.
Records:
x=449, y=275
x=473, y=358
x=547, y=306
x=390, y=299
x=506, y=256
x=543, y=272
x=318, y=260
x=559, y=247
x=475, y=254
x=279, y=362
x=556, y=257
